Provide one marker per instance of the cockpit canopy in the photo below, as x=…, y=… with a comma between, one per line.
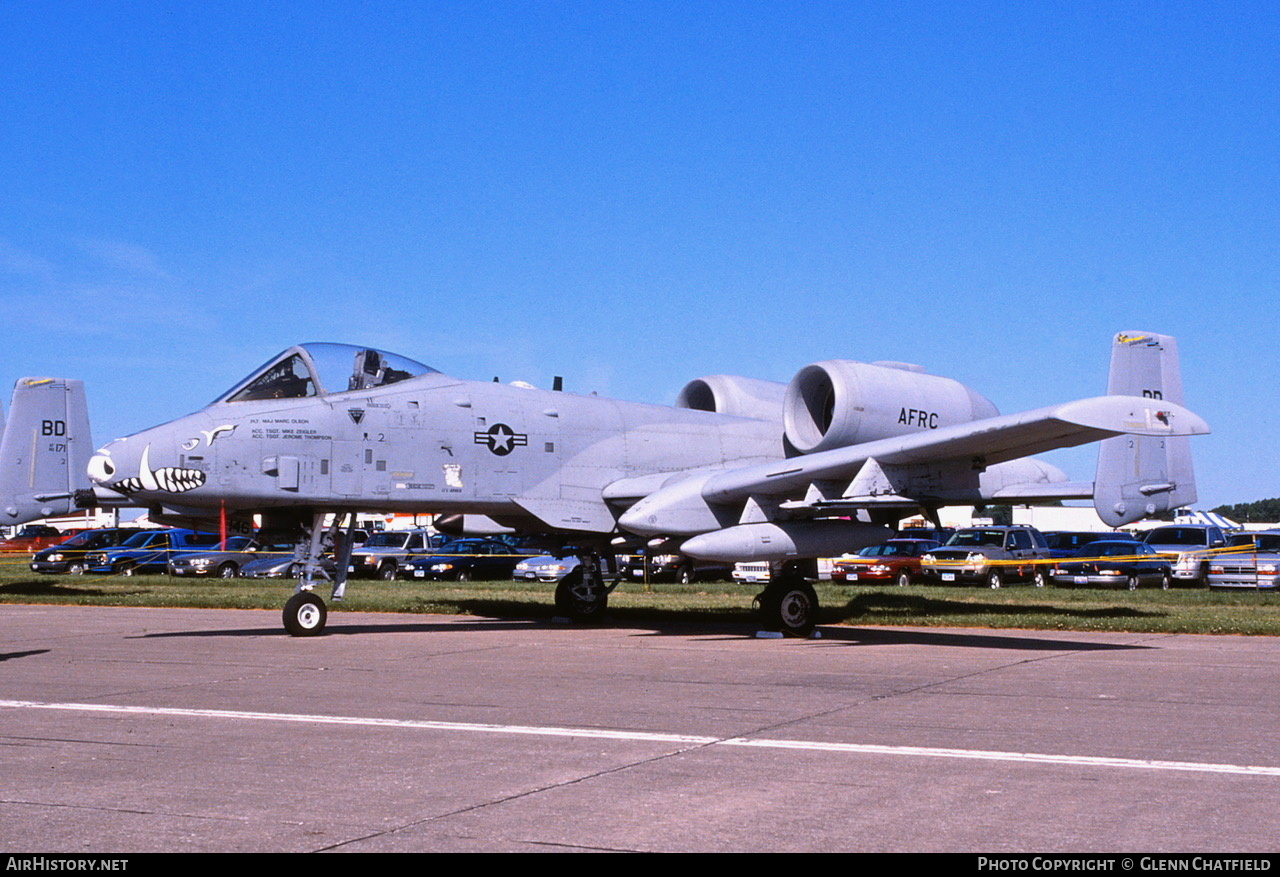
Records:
x=322, y=370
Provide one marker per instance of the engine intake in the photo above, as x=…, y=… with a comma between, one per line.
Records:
x=736, y=396
x=837, y=403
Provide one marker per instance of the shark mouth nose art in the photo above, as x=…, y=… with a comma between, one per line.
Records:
x=171, y=479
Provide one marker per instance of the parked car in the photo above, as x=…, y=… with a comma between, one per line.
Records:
x=545, y=568
x=668, y=567
x=990, y=555
x=752, y=572
x=1114, y=562
x=1189, y=546
x=33, y=537
x=1250, y=560
x=272, y=565
x=897, y=560
x=1065, y=543
x=227, y=559
x=148, y=551
x=69, y=556
x=382, y=553
x=464, y=560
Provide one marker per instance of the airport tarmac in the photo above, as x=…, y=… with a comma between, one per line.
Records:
x=136, y=730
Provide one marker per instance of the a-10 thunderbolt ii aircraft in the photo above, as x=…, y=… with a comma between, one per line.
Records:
x=44, y=451
x=737, y=469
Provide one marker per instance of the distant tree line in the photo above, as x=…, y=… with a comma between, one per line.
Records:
x=1000, y=515
x=1262, y=510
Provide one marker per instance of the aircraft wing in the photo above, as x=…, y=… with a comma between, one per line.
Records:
x=864, y=474
x=984, y=442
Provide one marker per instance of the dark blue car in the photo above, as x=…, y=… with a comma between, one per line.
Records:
x=1114, y=562
x=70, y=556
x=464, y=560
x=149, y=551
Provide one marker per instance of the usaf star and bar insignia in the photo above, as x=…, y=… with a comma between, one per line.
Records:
x=502, y=439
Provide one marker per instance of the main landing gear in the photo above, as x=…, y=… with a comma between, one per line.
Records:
x=788, y=604
x=583, y=594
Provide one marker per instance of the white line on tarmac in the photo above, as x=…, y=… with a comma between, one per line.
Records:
x=654, y=737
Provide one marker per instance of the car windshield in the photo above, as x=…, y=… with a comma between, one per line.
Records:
x=1068, y=540
x=1177, y=536
x=889, y=549
x=319, y=369
x=386, y=540
x=1267, y=542
x=1109, y=549
x=977, y=537
x=139, y=540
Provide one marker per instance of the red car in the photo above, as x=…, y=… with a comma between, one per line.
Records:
x=897, y=560
x=33, y=537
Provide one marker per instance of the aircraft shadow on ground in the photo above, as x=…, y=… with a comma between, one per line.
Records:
x=648, y=622
x=881, y=604
x=9, y=656
x=39, y=588
x=1027, y=642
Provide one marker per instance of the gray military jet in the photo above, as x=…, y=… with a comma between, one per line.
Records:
x=737, y=469
x=44, y=451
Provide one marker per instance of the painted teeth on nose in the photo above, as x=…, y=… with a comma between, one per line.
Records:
x=170, y=479
x=176, y=480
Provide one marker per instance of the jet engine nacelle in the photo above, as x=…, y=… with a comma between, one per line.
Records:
x=736, y=396
x=837, y=403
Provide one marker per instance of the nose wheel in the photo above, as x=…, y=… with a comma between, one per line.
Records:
x=305, y=614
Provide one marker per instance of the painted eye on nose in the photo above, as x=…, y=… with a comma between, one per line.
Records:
x=101, y=468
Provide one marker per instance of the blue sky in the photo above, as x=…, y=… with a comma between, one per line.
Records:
x=633, y=195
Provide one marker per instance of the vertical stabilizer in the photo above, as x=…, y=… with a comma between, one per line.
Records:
x=45, y=450
x=1142, y=476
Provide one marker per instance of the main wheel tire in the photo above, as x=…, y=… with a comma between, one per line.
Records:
x=904, y=579
x=305, y=614
x=228, y=571
x=994, y=580
x=789, y=608
x=576, y=600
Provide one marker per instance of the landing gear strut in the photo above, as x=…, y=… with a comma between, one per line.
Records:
x=305, y=613
x=789, y=604
x=583, y=594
